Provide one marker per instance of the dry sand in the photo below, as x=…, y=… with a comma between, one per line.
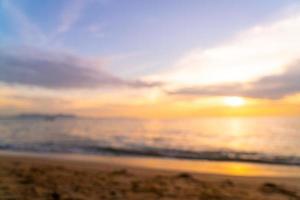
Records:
x=44, y=178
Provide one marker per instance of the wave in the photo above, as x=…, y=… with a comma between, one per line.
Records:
x=49, y=147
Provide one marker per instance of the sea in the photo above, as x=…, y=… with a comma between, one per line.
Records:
x=266, y=140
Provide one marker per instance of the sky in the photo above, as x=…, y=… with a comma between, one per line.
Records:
x=150, y=59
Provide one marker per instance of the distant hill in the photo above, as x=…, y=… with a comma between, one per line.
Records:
x=51, y=117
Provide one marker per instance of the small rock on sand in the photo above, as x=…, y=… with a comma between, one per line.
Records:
x=184, y=175
x=272, y=188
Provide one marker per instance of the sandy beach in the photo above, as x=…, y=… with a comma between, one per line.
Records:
x=32, y=177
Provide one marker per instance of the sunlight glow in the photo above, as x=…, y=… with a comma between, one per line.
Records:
x=234, y=101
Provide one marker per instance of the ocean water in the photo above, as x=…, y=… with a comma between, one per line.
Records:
x=264, y=140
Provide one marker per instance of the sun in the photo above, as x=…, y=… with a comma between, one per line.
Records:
x=234, y=101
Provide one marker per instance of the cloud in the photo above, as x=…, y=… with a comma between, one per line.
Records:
x=256, y=52
x=29, y=31
x=71, y=14
x=96, y=30
x=34, y=67
x=270, y=87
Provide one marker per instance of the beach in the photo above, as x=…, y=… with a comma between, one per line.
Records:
x=44, y=177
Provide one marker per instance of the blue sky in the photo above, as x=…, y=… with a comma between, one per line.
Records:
x=143, y=52
x=154, y=33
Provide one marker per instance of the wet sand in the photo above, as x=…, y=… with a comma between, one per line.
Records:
x=44, y=178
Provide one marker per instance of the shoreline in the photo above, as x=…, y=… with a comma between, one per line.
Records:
x=225, y=156
x=227, y=168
